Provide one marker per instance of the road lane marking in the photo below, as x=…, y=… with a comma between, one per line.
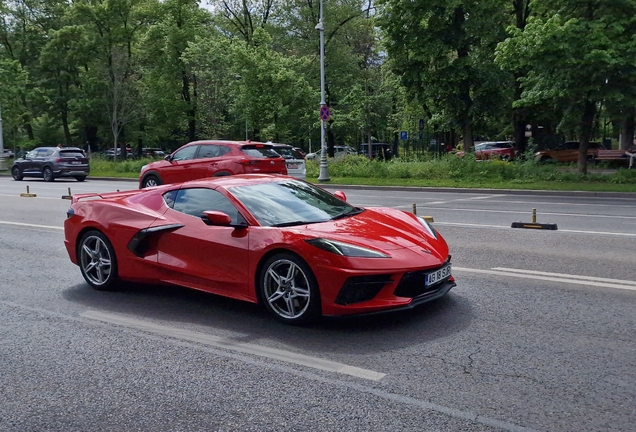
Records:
x=31, y=225
x=565, y=275
x=469, y=225
x=538, y=213
x=228, y=344
x=570, y=279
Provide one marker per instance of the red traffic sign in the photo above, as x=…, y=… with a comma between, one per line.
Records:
x=325, y=114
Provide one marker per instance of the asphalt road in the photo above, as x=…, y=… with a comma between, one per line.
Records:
x=539, y=334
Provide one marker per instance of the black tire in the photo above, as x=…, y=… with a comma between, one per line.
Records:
x=294, y=300
x=97, y=261
x=16, y=173
x=80, y=178
x=151, y=180
x=47, y=174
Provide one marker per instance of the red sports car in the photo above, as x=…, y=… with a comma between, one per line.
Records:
x=292, y=246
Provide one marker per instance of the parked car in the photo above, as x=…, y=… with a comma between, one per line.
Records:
x=7, y=154
x=50, y=163
x=152, y=152
x=504, y=150
x=567, y=152
x=294, y=160
x=297, y=249
x=201, y=159
x=382, y=151
x=338, y=152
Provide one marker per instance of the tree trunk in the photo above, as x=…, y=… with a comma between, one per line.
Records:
x=67, y=132
x=587, y=122
x=627, y=131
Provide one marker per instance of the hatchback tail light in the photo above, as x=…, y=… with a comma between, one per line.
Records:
x=246, y=161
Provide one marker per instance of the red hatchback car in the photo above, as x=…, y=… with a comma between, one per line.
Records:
x=200, y=159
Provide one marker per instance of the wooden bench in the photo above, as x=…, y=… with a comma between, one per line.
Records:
x=615, y=155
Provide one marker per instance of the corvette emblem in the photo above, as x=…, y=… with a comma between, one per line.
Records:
x=271, y=162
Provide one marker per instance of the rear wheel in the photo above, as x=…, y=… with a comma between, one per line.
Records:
x=97, y=261
x=16, y=173
x=151, y=180
x=47, y=174
x=289, y=290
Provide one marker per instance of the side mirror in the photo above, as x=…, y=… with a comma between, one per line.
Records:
x=341, y=195
x=216, y=218
x=168, y=158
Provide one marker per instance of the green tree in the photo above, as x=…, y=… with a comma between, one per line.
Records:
x=577, y=54
x=444, y=52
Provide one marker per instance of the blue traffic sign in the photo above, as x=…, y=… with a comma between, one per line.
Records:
x=404, y=135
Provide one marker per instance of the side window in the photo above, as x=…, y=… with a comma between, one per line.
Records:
x=208, y=151
x=223, y=150
x=169, y=198
x=186, y=153
x=197, y=200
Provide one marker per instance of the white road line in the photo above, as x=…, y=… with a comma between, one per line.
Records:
x=17, y=195
x=622, y=285
x=31, y=225
x=202, y=338
x=564, y=275
x=538, y=213
x=469, y=225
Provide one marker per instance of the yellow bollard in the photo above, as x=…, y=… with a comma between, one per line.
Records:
x=28, y=193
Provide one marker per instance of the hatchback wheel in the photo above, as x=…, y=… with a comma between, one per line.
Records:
x=16, y=173
x=97, y=260
x=289, y=289
x=47, y=174
x=150, y=181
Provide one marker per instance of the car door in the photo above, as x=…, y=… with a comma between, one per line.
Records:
x=41, y=157
x=207, y=161
x=178, y=168
x=210, y=258
x=28, y=163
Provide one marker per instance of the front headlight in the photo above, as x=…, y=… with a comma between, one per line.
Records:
x=143, y=168
x=428, y=227
x=345, y=249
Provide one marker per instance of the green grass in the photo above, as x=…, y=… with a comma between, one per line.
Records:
x=449, y=171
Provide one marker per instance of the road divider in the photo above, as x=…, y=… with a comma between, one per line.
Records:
x=28, y=193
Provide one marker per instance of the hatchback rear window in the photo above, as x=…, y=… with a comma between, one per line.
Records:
x=288, y=153
x=259, y=152
x=71, y=154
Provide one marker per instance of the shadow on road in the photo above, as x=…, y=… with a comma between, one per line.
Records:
x=181, y=307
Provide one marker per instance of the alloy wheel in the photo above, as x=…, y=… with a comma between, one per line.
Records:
x=95, y=260
x=286, y=289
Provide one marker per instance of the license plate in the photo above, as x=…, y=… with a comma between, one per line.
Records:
x=292, y=166
x=436, y=276
x=75, y=162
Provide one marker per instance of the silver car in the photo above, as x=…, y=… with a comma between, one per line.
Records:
x=50, y=163
x=294, y=160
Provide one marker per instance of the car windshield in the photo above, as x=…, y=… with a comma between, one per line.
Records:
x=291, y=202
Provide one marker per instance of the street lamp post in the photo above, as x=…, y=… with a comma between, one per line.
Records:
x=324, y=171
x=2, y=163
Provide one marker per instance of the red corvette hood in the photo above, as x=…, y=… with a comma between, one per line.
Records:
x=379, y=228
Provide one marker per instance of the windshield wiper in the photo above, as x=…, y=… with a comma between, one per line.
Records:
x=291, y=223
x=352, y=212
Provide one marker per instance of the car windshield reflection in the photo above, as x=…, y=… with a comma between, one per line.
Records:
x=289, y=202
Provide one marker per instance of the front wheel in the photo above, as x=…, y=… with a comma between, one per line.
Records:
x=47, y=174
x=17, y=175
x=289, y=290
x=97, y=260
x=150, y=181
x=80, y=178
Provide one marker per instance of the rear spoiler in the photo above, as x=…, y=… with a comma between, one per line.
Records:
x=105, y=195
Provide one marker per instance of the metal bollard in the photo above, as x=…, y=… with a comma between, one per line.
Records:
x=69, y=196
x=28, y=193
x=414, y=208
x=534, y=215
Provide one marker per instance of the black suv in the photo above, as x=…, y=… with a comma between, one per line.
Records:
x=50, y=163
